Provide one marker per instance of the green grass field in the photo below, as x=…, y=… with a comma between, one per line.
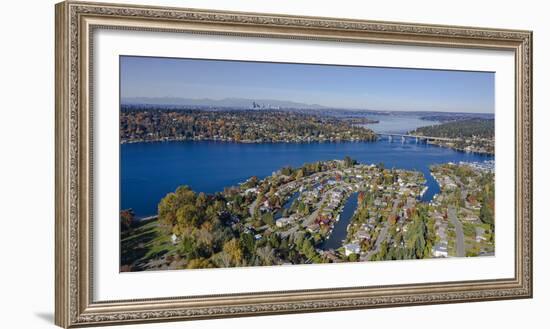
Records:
x=142, y=244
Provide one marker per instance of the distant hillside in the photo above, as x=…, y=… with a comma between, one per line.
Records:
x=483, y=128
x=447, y=117
x=226, y=102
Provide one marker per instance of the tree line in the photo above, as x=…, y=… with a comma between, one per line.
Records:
x=235, y=125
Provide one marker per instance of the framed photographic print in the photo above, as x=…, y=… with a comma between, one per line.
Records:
x=217, y=164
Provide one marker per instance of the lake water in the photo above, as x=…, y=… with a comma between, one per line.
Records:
x=151, y=170
x=288, y=203
x=340, y=230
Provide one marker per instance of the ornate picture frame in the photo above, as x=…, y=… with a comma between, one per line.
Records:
x=75, y=24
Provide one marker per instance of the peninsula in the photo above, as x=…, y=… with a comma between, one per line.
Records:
x=236, y=125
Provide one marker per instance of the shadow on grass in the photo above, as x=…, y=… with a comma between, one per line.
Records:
x=133, y=248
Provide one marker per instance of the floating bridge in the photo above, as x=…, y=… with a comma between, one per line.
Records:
x=417, y=139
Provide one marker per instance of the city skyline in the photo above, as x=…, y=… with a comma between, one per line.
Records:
x=334, y=86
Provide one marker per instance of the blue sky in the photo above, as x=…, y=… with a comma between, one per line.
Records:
x=329, y=85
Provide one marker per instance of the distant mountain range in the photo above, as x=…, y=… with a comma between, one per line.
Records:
x=259, y=104
x=226, y=102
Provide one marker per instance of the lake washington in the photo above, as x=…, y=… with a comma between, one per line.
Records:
x=148, y=171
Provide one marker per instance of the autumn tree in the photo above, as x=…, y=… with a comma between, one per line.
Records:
x=234, y=251
x=170, y=206
x=266, y=255
x=126, y=219
x=200, y=263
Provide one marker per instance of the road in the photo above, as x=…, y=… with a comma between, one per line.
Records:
x=383, y=232
x=459, y=245
x=313, y=216
x=381, y=238
x=252, y=207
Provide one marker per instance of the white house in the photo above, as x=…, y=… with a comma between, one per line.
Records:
x=440, y=250
x=480, y=234
x=284, y=221
x=352, y=248
x=470, y=218
x=251, y=190
x=362, y=235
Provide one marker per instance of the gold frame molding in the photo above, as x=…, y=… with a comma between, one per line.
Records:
x=75, y=23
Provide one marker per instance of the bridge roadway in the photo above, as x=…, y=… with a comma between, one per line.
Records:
x=429, y=138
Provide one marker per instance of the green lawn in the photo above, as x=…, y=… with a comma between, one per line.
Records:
x=143, y=243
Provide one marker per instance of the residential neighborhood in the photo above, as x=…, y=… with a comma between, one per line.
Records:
x=336, y=211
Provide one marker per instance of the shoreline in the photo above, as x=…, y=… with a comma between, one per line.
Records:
x=247, y=141
x=291, y=142
x=356, y=147
x=145, y=218
x=463, y=150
